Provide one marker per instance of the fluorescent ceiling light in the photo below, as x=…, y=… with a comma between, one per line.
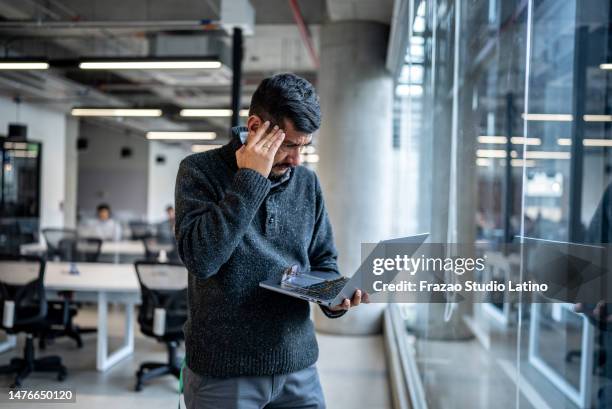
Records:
x=16, y=145
x=206, y=112
x=592, y=142
x=115, y=112
x=548, y=117
x=309, y=150
x=546, y=155
x=180, y=135
x=149, y=65
x=314, y=158
x=520, y=140
x=605, y=66
x=490, y=153
x=24, y=154
x=597, y=142
x=521, y=163
x=492, y=139
x=211, y=112
x=564, y=142
x=598, y=118
x=515, y=140
x=23, y=65
x=203, y=148
x=483, y=162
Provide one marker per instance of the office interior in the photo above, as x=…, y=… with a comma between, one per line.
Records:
x=476, y=121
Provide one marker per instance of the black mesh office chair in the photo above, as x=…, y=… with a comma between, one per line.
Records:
x=65, y=245
x=58, y=241
x=24, y=309
x=140, y=230
x=162, y=314
x=12, y=237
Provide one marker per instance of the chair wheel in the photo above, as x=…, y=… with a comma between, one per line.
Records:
x=62, y=376
x=15, y=385
x=138, y=387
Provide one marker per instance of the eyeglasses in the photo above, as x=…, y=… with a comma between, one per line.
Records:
x=287, y=147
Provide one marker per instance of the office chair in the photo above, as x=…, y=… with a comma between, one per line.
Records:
x=77, y=249
x=24, y=309
x=57, y=241
x=162, y=314
x=154, y=245
x=12, y=237
x=71, y=249
x=140, y=230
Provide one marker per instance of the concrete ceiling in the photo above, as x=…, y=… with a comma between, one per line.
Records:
x=369, y=10
x=276, y=46
x=279, y=11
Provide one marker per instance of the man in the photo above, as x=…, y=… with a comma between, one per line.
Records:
x=165, y=229
x=104, y=226
x=244, y=213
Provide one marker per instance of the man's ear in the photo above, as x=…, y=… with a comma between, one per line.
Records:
x=253, y=123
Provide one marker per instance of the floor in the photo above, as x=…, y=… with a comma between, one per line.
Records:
x=482, y=375
x=352, y=371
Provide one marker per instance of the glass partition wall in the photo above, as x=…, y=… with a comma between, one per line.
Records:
x=507, y=105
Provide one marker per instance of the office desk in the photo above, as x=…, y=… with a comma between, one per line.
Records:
x=128, y=247
x=101, y=283
x=109, y=248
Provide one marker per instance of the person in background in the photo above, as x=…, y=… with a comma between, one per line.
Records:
x=104, y=226
x=165, y=229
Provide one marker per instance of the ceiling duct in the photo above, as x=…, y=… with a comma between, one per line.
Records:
x=198, y=45
x=237, y=13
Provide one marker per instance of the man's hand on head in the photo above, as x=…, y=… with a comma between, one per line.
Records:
x=358, y=298
x=259, y=150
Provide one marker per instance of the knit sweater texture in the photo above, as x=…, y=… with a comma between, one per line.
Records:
x=234, y=229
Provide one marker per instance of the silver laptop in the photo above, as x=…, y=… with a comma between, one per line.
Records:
x=315, y=286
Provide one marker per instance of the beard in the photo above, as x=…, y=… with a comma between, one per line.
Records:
x=279, y=170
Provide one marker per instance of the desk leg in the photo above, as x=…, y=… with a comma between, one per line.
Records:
x=105, y=360
x=9, y=343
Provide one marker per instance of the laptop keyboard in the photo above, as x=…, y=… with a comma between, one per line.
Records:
x=325, y=290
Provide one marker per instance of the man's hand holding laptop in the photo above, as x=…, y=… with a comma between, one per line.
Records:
x=358, y=298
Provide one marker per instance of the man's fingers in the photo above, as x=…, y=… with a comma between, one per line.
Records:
x=261, y=131
x=264, y=139
x=276, y=143
x=365, y=298
x=356, y=298
x=266, y=143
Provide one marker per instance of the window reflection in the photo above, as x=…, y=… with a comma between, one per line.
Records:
x=520, y=101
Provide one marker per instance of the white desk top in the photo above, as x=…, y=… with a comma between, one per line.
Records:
x=93, y=277
x=128, y=247
x=132, y=247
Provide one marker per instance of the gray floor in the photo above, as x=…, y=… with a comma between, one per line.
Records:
x=352, y=371
x=482, y=377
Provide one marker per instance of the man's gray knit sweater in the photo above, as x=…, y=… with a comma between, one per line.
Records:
x=234, y=229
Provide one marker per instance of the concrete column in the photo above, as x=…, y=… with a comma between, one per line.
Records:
x=354, y=147
x=72, y=170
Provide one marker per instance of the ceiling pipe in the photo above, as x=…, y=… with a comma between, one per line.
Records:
x=77, y=25
x=304, y=32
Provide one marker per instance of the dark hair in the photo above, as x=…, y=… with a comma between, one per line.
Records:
x=287, y=96
x=103, y=206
